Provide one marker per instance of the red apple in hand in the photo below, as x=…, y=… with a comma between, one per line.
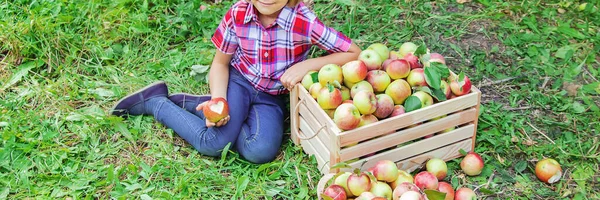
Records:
x=215, y=109
x=336, y=192
x=548, y=170
x=472, y=164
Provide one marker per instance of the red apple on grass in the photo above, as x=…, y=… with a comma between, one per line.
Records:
x=346, y=116
x=330, y=73
x=456, y=88
x=359, y=183
x=354, y=71
x=399, y=190
x=378, y=79
x=307, y=80
x=371, y=58
x=426, y=180
x=403, y=177
x=399, y=90
x=329, y=97
x=416, y=77
x=384, y=107
x=381, y=189
x=335, y=192
x=437, y=167
x=464, y=194
x=365, y=101
x=385, y=170
x=381, y=49
x=398, y=69
x=446, y=188
x=215, y=109
x=548, y=170
x=472, y=164
x=360, y=86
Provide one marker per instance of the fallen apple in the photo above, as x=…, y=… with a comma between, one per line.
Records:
x=464, y=194
x=385, y=170
x=403, y=177
x=402, y=188
x=426, y=180
x=437, y=167
x=446, y=188
x=359, y=183
x=548, y=170
x=335, y=192
x=411, y=195
x=342, y=180
x=381, y=189
x=472, y=164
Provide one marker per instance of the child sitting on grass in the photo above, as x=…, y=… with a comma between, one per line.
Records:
x=262, y=49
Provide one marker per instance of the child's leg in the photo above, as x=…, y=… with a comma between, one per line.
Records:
x=192, y=127
x=261, y=135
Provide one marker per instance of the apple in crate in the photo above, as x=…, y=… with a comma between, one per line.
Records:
x=413, y=61
x=359, y=182
x=406, y=48
x=399, y=90
x=342, y=180
x=385, y=170
x=381, y=189
x=445, y=87
x=335, y=192
x=411, y=195
x=360, y=86
x=329, y=97
x=398, y=69
x=354, y=71
x=330, y=73
x=399, y=190
x=548, y=170
x=371, y=58
x=384, y=107
x=427, y=59
x=308, y=79
x=346, y=116
x=460, y=88
x=215, y=109
x=424, y=97
x=416, y=77
x=472, y=164
x=426, y=180
x=398, y=110
x=367, y=119
x=365, y=101
x=345, y=93
x=464, y=194
x=314, y=90
x=378, y=79
x=446, y=188
x=381, y=49
x=403, y=177
x=437, y=167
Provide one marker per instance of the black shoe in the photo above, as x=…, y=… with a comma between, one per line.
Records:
x=185, y=100
x=125, y=105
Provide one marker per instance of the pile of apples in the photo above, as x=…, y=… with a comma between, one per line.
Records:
x=385, y=181
x=382, y=84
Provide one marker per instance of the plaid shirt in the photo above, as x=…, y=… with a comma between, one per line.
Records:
x=262, y=54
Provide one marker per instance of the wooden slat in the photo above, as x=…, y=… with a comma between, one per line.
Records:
x=445, y=153
x=313, y=124
x=475, y=90
x=317, y=111
x=409, y=134
x=419, y=147
x=295, y=117
x=319, y=146
x=309, y=149
x=394, y=123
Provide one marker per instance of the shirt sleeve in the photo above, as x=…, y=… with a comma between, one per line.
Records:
x=224, y=38
x=328, y=38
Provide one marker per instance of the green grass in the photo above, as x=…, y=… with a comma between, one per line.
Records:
x=64, y=64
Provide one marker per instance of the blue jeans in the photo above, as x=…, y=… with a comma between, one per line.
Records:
x=255, y=128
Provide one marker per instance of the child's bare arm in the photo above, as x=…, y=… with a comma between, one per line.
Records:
x=218, y=77
x=294, y=74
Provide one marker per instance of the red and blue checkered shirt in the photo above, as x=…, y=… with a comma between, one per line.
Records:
x=262, y=54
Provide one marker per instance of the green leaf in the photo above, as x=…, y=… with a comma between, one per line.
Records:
x=462, y=152
x=486, y=191
x=461, y=80
x=23, y=71
x=439, y=94
x=330, y=87
x=314, y=77
x=592, y=88
x=145, y=197
x=520, y=166
x=578, y=108
x=570, y=32
x=565, y=52
x=345, y=2
x=412, y=103
x=122, y=128
x=434, y=194
x=225, y=151
x=341, y=165
x=241, y=185
x=336, y=84
x=433, y=78
x=421, y=50
x=200, y=69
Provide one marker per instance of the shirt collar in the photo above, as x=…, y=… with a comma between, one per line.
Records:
x=285, y=18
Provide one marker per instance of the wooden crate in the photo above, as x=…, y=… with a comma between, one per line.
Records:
x=399, y=139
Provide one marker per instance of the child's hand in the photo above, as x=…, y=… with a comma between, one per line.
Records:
x=209, y=124
x=293, y=76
